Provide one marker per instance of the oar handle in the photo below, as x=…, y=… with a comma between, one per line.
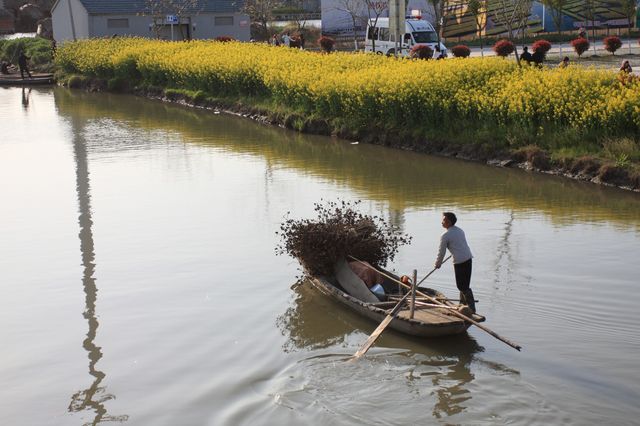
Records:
x=432, y=271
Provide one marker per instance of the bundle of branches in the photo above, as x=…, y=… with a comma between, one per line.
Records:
x=337, y=231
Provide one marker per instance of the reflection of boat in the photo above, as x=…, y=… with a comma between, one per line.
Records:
x=16, y=80
x=429, y=320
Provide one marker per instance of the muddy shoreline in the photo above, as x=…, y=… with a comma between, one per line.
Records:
x=531, y=159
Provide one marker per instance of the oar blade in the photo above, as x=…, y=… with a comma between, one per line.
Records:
x=373, y=337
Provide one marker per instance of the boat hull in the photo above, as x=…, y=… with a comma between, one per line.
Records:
x=16, y=80
x=442, y=324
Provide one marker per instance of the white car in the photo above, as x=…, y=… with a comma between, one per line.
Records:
x=417, y=32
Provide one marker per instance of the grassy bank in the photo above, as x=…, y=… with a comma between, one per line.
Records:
x=478, y=107
x=39, y=51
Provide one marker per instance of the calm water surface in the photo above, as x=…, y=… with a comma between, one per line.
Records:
x=139, y=283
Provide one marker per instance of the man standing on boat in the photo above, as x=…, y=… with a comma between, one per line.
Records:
x=454, y=240
x=22, y=63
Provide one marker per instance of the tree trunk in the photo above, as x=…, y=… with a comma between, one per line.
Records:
x=355, y=36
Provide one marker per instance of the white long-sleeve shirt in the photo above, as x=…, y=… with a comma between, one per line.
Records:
x=454, y=240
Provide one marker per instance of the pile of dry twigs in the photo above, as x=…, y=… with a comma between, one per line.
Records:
x=337, y=231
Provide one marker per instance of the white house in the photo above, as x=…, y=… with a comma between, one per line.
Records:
x=77, y=19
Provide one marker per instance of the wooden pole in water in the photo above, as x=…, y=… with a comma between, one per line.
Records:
x=413, y=292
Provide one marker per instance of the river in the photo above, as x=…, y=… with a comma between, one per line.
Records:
x=140, y=285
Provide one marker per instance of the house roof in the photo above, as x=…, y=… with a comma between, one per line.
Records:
x=141, y=6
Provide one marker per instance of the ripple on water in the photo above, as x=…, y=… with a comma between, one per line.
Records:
x=443, y=389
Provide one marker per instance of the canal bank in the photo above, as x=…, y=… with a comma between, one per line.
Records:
x=579, y=122
x=530, y=158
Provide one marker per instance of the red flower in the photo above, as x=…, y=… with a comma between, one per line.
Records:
x=503, y=48
x=542, y=46
x=580, y=45
x=326, y=43
x=421, y=51
x=612, y=43
x=460, y=51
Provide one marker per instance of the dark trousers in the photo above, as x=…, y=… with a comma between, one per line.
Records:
x=463, y=275
x=463, y=282
x=24, y=69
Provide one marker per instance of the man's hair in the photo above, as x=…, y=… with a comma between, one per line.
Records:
x=452, y=217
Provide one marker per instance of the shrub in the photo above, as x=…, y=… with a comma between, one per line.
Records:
x=326, y=43
x=117, y=84
x=77, y=82
x=461, y=51
x=542, y=46
x=224, y=39
x=37, y=49
x=503, y=48
x=612, y=43
x=580, y=45
x=421, y=51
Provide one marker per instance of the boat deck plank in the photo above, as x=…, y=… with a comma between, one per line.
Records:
x=431, y=316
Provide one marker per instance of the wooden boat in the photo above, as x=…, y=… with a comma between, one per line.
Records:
x=16, y=80
x=428, y=320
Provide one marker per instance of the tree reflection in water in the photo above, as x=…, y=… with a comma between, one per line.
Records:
x=315, y=322
x=94, y=397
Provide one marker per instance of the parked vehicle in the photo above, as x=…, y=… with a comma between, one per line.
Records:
x=417, y=32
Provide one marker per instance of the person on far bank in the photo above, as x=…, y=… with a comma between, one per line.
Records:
x=22, y=63
x=626, y=67
x=526, y=56
x=454, y=240
x=564, y=63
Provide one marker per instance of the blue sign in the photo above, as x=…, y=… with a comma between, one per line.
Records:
x=171, y=19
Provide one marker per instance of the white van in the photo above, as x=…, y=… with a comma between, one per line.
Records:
x=417, y=31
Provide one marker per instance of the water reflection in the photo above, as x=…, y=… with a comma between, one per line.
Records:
x=94, y=397
x=306, y=323
x=25, y=97
x=400, y=179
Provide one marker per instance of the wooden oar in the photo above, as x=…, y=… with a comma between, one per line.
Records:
x=456, y=313
x=385, y=322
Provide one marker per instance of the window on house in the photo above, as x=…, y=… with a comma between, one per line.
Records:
x=118, y=23
x=223, y=20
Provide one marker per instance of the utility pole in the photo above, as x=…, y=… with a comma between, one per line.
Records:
x=397, y=10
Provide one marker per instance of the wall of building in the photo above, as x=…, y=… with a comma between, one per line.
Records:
x=235, y=25
x=64, y=25
x=201, y=26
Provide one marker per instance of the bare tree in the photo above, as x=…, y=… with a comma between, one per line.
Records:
x=159, y=9
x=354, y=9
x=513, y=14
x=438, y=14
x=478, y=8
x=629, y=10
x=590, y=15
x=557, y=12
x=522, y=12
x=302, y=16
x=261, y=12
x=375, y=8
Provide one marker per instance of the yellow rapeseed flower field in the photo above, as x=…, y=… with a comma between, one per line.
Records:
x=366, y=88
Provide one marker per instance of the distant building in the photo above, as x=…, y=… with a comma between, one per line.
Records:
x=77, y=19
x=7, y=24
